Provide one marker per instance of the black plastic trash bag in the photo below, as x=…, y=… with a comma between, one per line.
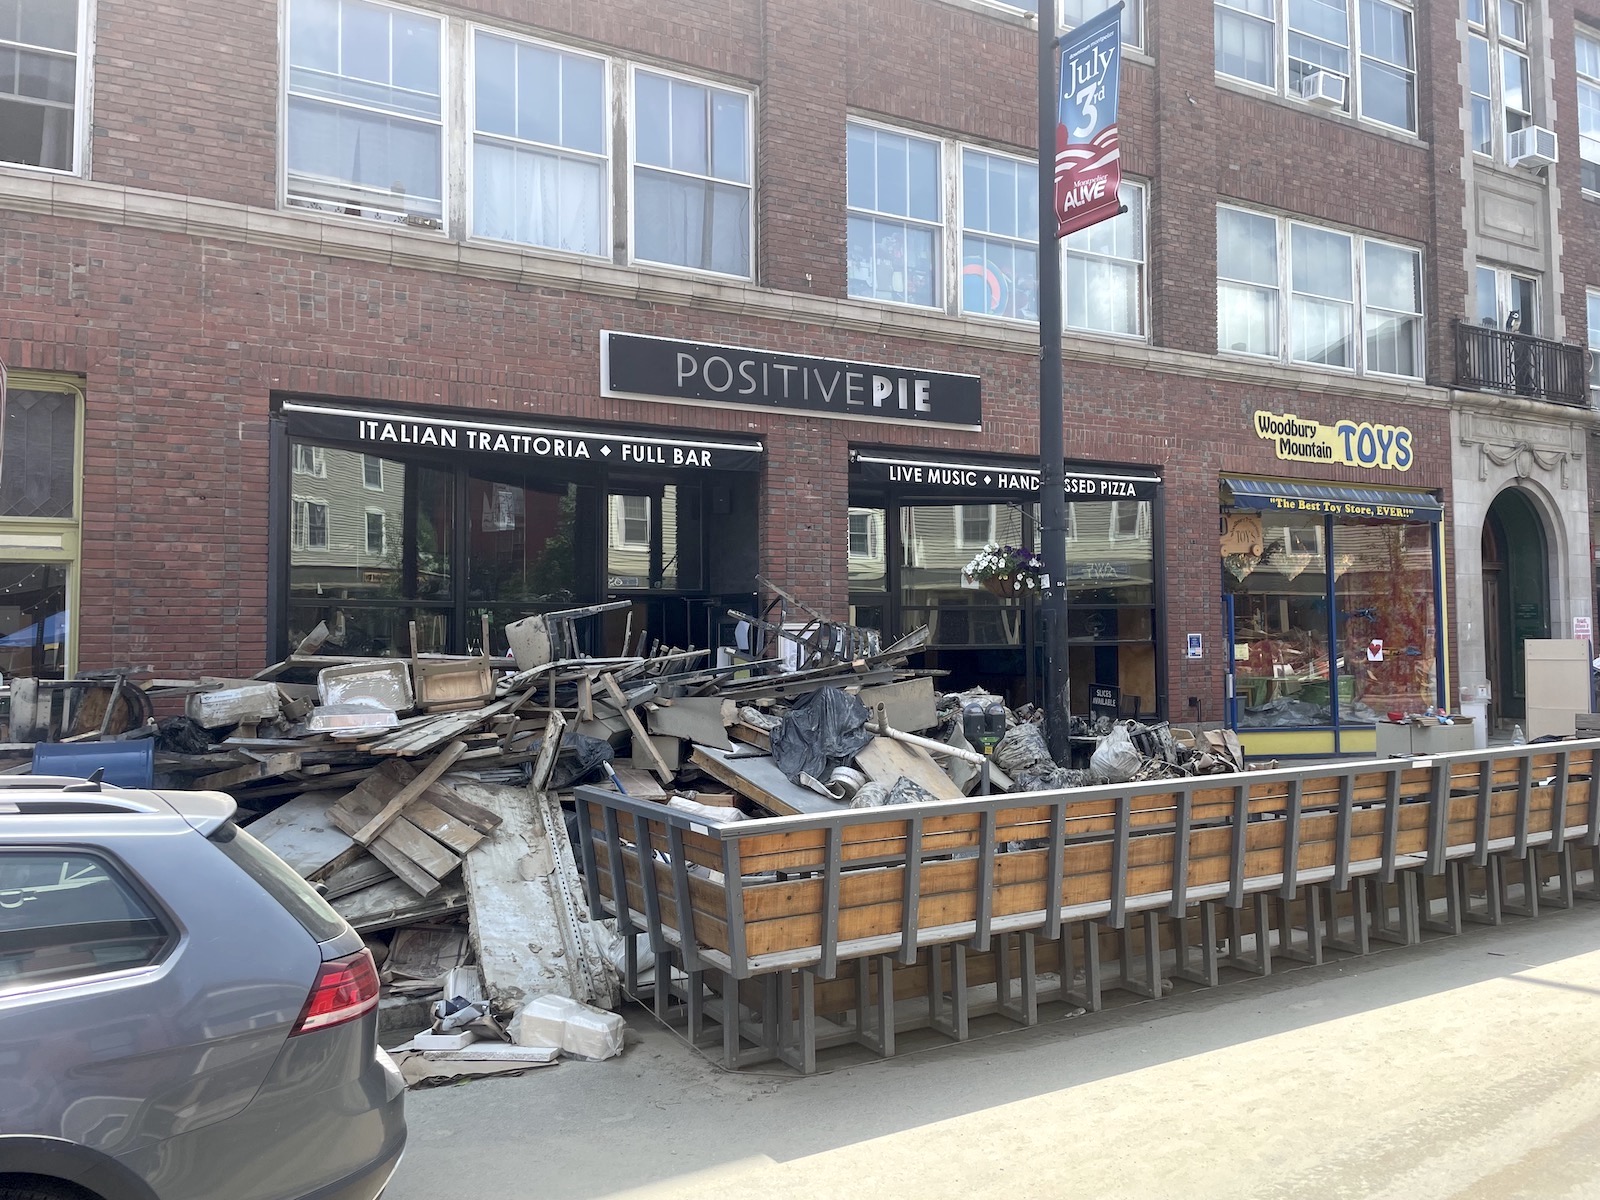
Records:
x=824, y=729
x=578, y=760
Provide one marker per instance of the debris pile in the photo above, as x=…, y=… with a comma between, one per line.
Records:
x=429, y=797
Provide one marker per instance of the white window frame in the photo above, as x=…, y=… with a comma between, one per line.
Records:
x=623, y=541
x=940, y=225
x=868, y=533
x=606, y=158
x=1499, y=44
x=447, y=86
x=1505, y=279
x=1141, y=520
x=315, y=461
x=82, y=114
x=1354, y=105
x=988, y=515
x=634, y=166
x=1588, y=143
x=371, y=460
x=1419, y=337
x=959, y=154
x=383, y=531
x=1143, y=298
x=1360, y=307
x=1593, y=298
x=1130, y=6
x=300, y=523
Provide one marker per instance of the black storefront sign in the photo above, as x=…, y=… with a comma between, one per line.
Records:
x=653, y=368
x=1081, y=484
x=1105, y=700
x=398, y=433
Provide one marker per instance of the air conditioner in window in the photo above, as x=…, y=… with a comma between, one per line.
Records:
x=1532, y=146
x=1324, y=89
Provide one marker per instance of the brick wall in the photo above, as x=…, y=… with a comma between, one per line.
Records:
x=183, y=341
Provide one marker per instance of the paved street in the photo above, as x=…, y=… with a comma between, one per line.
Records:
x=1466, y=1068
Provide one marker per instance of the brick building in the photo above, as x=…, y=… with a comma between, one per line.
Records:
x=373, y=314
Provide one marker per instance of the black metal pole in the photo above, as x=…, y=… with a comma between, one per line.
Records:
x=1052, y=454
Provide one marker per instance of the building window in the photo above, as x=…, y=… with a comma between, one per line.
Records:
x=691, y=174
x=39, y=520
x=977, y=524
x=1331, y=279
x=309, y=460
x=1589, y=109
x=1594, y=338
x=39, y=83
x=1129, y=520
x=1497, y=73
x=539, y=150
x=896, y=216
x=860, y=533
x=1102, y=272
x=365, y=128
x=371, y=471
x=1392, y=316
x=999, y=235
x=310, y=524
x=1076, y=12
x=375, y=533
x=1502, y=299
x=631, y=521
x=1368, y=45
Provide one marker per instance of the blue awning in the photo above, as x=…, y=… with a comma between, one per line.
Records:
x=1333, y=499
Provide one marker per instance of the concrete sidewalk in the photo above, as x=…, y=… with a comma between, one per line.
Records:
x=1467, y=1067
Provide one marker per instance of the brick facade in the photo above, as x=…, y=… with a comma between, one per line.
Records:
x=187, y=303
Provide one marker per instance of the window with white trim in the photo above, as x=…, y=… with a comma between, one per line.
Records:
x=372, y=472
x=364, y=135
x=310, y=524
x=309, y=460
x=1130, y=519
x=1300, y=293
x=1594, y=338
x=999, y=235
x=1504, y=299
x=692, y=172
x=1370, y=45
x=1499, y=77
x=1077, y=12
x=861, y=533
x=976, y=524
x=895, y=232
x=630, y=518
x=540, y=166
x=375, y=531
x=1102, y=271
x=40, y=82
x=1588, y=46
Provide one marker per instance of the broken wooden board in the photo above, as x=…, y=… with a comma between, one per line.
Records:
x=759, y=780
x=390, y=903
x=692, y=718
x=639, y=784
x=907, y=705
x=884, y=760
x=393, y=807
x=641, y=739
x=362, y=873
x=269, y=768
x=394, y=848
x=530, y=921
x=302, y=834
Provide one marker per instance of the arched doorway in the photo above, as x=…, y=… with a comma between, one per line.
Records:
x=1516, y=597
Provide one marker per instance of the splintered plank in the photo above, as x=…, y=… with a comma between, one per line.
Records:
x=760, y=780
x=884, y=760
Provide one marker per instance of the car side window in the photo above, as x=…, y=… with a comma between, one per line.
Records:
x=68, y=914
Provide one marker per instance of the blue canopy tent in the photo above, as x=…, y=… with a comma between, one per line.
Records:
x=55, y=632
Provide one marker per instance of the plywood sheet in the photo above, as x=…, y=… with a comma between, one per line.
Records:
x=884, y=760
x=759, y=779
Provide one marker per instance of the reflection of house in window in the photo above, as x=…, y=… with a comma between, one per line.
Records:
x=308, y=460
x=1129, y=520
x=1072, y=521
x=375, y=532
x=633, y=522
x=861, y=534
x=372, y=473
x=977, y=524
x=310, y=524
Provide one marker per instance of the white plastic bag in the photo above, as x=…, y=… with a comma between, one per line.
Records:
x=1115, y=758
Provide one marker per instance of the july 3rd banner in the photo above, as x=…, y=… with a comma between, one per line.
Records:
x=1088, y=154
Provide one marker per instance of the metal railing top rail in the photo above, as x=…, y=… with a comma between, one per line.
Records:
x=932, y=809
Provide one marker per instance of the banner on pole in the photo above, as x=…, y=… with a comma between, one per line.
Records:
x=1088, y=153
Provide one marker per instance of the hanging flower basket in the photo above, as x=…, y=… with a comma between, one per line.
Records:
x=1006, y=571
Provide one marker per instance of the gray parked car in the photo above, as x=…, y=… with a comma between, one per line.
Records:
x=182, y=1017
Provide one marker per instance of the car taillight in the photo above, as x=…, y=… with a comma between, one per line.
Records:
x=345, y=989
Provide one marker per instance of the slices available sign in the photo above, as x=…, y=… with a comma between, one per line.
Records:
x=1088, y=150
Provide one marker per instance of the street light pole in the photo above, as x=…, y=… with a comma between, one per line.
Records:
x=1052, y=452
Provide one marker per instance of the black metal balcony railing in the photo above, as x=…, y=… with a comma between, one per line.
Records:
x=1499, y=360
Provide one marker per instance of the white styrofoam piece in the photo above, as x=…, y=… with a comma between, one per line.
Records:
x=230, y=706
x=459, y=1040
x=576, y=1027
